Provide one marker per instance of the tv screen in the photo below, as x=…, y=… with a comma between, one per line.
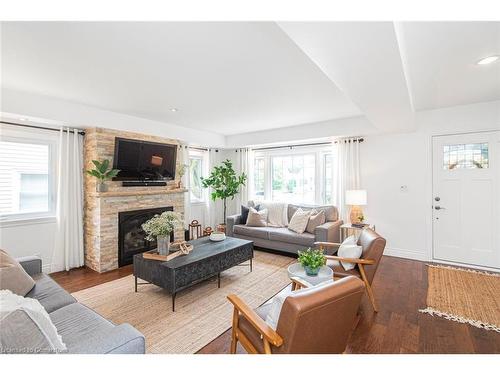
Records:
x=141, y=160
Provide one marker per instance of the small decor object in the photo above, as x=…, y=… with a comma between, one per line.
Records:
x=217, y=236
x=224, y=183
x=356, y=199
x=312, y=260
x=184, y=249
x=102, y=172
x=207, y=231
x=181, y=171
x=194, y=230
x=221, y=228
x=159, y=227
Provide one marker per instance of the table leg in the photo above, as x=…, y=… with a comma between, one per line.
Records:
x=218, y=280
x=251, y=264
x=173, y=301
x=135, y=284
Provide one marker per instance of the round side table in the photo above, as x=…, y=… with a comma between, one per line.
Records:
x=296, y=270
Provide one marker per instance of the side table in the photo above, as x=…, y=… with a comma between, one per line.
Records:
x=346, y=228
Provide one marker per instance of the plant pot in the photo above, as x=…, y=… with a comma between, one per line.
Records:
x=101, y=187
x=163, y=245
x=311, y=271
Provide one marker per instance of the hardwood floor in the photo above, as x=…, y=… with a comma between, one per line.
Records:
x=400, y=287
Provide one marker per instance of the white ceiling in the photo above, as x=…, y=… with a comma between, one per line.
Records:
x=441, y=62
x=227, y=77
x=239, y=77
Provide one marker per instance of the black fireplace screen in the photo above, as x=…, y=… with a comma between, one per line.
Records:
x=131, y=237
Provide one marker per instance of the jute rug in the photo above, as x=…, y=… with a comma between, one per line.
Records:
x=202, y=311
x=464, y=296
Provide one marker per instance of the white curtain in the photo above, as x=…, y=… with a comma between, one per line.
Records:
x=186, y=183
x=346, y=172
x=68, y=248
x=213, y=209
x=244, y=158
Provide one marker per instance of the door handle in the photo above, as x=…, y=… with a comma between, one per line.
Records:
x=439, y=208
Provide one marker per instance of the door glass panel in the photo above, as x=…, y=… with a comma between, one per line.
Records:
x=465, y=156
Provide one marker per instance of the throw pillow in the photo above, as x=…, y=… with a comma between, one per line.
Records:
x=316, y=219
x=349, y=249
x=26, y=326
x=257, y=218
x=299, y=221
x=277, y=302
x=13, y=276
x=244, y=212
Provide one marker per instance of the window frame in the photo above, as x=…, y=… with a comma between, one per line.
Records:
x=203, y=156
x=35, y=138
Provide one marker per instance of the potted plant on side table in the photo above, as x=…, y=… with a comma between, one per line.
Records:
x=312, y=261
x=159, y=228
x=102, y=172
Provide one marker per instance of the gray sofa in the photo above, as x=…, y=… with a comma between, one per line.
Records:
x=283, y=239
x=82, y=329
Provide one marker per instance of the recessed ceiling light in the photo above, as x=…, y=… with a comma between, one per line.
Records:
x=173, y=109
x=488, y=60
x=23, y=119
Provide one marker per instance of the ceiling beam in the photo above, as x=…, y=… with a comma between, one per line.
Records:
x=363, y=59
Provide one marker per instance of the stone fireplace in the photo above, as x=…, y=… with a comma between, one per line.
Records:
x=103, y=209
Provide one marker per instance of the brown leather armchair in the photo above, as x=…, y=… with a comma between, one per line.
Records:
x=373, y=246
x=315, y=320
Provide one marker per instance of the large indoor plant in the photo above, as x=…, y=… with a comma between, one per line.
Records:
x=224, y=183
x=102, y=171
x=312, y=260
x=159, y=228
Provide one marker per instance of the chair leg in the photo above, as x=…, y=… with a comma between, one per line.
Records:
x=369, y=290
x=234, y=337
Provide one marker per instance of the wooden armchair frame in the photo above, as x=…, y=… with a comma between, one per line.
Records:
x=269, y=335
x=360, y=263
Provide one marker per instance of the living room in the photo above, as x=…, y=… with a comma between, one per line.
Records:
x=237, y=186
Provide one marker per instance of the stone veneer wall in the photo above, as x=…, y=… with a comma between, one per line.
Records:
x=101, y=209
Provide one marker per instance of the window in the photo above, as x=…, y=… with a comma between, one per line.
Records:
x=26, y=179
x=301, y=175
x=465, y=156
x=197, y=167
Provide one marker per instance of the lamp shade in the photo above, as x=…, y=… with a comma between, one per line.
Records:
x=355, y=197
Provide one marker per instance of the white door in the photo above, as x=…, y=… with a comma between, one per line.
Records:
x=465, y=201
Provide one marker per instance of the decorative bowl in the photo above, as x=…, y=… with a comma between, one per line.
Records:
x=217, y=236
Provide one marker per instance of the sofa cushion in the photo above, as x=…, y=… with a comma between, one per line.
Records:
x=257, y=218
x=299, y=221
x=244, y=212
x=331, y=212
x=13, y=277
x=316, y=219
x=256, y=232
x=286, y=235
x=49, y=293
x=77, y=323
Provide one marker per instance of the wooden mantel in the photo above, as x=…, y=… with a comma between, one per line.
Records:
x=137, y=192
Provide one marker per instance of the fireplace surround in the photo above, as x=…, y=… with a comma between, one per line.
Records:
x=131, y=237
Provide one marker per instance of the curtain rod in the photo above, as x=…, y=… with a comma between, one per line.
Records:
x=304, y=145
x=40, y=127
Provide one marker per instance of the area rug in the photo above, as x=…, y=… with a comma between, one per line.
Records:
x=465, y=296
x=202, y=311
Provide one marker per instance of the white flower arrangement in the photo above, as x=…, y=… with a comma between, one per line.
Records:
x=161, y=225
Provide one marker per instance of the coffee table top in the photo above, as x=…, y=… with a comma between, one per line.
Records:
x=325, y=273
x=204, y=248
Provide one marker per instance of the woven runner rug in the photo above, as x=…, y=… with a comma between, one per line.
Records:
x=465, y=296
x=202, y=311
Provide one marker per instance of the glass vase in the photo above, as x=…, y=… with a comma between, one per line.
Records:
x=163, y=245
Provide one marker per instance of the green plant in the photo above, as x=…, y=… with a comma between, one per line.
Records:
x=361, y=218
x=182, y=169
x=102, y=171
x=313, y=259
x=161, y=225
x=224, y=182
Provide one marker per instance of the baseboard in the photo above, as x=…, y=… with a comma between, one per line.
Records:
x=47, y=268
x=407, y=254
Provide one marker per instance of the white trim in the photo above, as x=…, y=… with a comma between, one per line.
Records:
x=28, y=221
x=439, y=261
x=407, y=254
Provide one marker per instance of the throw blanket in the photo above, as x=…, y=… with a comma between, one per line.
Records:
x=277, y=216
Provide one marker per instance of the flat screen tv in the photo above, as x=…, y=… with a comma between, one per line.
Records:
x=144, y=161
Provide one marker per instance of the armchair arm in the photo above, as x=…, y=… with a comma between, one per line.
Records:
x=298, y=283
x=351, y=260
x=327, y=244
x=257, y=322
x=328, y=232
x=231, y=221
x=31, y=264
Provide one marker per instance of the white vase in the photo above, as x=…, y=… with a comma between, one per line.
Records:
x=163, y=245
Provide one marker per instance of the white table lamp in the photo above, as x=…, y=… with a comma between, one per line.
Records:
x=356, y=199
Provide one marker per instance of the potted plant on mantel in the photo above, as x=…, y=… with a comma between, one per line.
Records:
x=312, y=261
x=159, y=228
x=224, y=183
x=102, y=172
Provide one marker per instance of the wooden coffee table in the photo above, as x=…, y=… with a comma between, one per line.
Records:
x=207, y=259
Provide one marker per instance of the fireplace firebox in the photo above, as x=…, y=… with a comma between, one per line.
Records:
x=131, y=238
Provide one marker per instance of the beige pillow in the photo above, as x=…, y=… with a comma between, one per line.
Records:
x=13, y=277
x=257, y=218
x=316, y=219
x=299, y=220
